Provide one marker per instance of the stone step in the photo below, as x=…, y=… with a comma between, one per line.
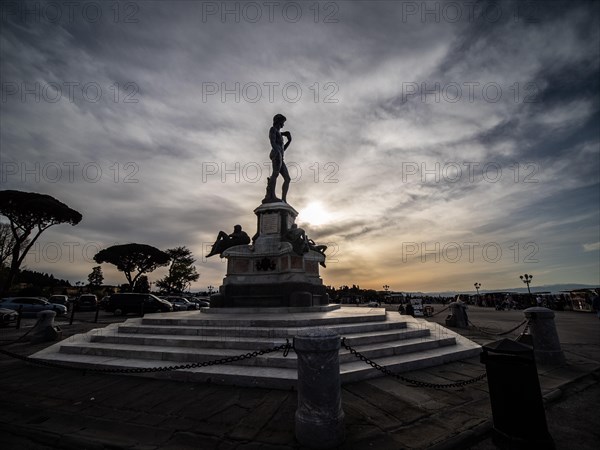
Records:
x=214, y=342
x=268, y=377
x=246, y=343
x=400, y=342
x=271, y=310
x=194, y=319
x=177, y=353
x=359, y=370
x=270, y=332
x=228, y=374
x=393, y=348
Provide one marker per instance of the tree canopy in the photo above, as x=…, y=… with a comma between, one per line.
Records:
x=96, y=277
x=133, y=260
x=181, y=271
x=31, y=213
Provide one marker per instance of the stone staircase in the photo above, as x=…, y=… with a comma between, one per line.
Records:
x=399, y=342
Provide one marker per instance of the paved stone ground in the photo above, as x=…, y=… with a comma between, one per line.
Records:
x=45, y=408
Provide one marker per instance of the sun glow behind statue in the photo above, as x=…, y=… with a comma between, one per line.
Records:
x=314, y=214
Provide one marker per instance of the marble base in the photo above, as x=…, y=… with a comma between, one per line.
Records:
x=269, y=273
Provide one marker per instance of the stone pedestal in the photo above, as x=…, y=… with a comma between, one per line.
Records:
x=458, y=315
x=319, y=417
x=44, y=329
x=268, y=272
x=546, y=345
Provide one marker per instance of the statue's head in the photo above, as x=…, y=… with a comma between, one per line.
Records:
x=237, y=228
x=279, y=118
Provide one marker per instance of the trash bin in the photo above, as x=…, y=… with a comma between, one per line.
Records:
x=515, y=395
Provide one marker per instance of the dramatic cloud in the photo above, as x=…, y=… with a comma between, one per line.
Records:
x=435, y=143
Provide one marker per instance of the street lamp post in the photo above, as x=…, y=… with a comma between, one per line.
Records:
x=527, y=279
x=477, y=286
x=385, y=288
x=210, y=289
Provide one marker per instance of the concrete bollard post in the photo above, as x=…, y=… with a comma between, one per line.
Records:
x=546, y=345
x=458, y=315
x=319, y=417
x=45, y=330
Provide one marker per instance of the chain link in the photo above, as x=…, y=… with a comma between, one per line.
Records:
x=285, y=347
x=502, y=332
x=415, y=383
x=439, y=312
x=20, y=338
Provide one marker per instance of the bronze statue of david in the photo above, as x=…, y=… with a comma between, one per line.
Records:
x=277, y=150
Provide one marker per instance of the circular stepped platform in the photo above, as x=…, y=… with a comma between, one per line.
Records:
x=271, y=310
x=400, y=342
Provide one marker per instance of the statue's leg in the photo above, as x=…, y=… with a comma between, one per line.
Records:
x=216, y=247
x=277, y=162
x=286, y=181
x=271, y=188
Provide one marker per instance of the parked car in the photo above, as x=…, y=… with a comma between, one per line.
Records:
x=104, y=302
x=181, y=303
x=7, y=316
x=124, y=303
x=86, y=302
x=32, y=305
x=201, y=302
x=60, y=300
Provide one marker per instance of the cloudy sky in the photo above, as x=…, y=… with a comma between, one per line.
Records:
x=435, y=144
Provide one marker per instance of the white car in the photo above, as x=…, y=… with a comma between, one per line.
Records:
x=32, y=305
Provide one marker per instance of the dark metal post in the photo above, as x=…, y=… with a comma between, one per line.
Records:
x=319, y=417
x=19, y=317
x=97, y=311
x=546, y=344
x=515, y=396
x=72, y=315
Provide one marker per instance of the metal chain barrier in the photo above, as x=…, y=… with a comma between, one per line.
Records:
x=64, y=321
x=526, y=321
x=415, y=383
x=20, y=338
x=441, y=311
x=285, y=347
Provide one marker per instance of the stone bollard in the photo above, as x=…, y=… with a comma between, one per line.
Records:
x=319, y=417
x=44, y=329
x=458, y=315
x=546, y=345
